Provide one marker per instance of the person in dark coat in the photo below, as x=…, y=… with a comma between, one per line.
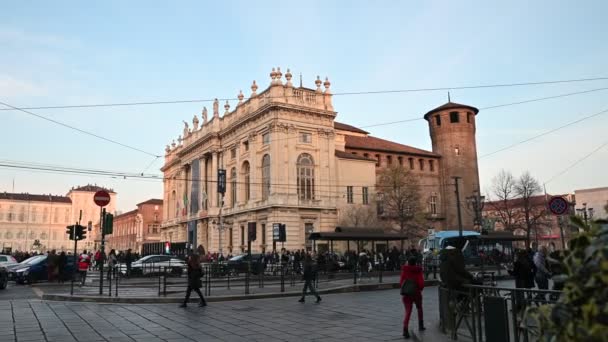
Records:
x=128, y=261
x=452, y=269
x=309, y=276
x=195, y=272
x=412, y=272
x=523, y=271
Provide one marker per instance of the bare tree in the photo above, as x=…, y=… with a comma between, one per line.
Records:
x=503, y=192
x=361, y=215
x=532, y=214
x=401, y=199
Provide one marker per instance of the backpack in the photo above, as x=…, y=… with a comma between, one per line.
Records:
x=409, y=287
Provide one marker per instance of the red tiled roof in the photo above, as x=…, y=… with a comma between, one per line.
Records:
x=345, y=127
x=91, y=188
x=535, y=201
x=152, y=201
x=346, y=155
x=450, y=105
x=134, y=211
x=377, y=144
x=34, y=197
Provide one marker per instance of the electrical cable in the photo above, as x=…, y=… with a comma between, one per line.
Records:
x=79, y=130
x=577, y=162
x=372, y=92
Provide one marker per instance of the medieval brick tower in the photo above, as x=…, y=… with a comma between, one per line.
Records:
x=452, y=130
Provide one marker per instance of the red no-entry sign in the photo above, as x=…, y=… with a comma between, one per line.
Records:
x=101, y=198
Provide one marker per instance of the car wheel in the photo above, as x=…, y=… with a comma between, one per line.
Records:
x=177, y=271
x=3, y=282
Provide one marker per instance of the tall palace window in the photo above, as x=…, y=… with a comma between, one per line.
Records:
x=246, y=177
x=233, y=186
x=265, y=176
x=306, y=177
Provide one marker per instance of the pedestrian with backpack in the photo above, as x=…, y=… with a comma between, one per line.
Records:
x=412, y=284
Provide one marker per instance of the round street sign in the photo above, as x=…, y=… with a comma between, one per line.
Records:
x=101, y=198
x=558, y=205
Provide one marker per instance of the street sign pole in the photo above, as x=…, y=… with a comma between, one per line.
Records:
x=101, y=223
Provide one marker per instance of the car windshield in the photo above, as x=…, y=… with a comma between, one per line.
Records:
x=238, y=257
x=33, y=260
x=145, y=258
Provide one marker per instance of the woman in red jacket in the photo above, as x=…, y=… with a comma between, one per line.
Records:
x=412, y=273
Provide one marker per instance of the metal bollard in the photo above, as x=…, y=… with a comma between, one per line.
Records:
x=116, y=283
x=355, y=274
x=282, y=279
x=165, y=282
x=380, y=273
x=110, y=282
x=247, y=278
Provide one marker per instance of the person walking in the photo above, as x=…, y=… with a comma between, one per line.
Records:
x=523, y=271
x=84, y=261
x=542, y=273
x=412, y=283
x=195, y=272
x=309, y=276
x=51, y=266
x=62, y=267
x=128, y=261
x=112, y=261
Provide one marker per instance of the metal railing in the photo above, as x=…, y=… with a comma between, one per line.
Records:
x=490, y=313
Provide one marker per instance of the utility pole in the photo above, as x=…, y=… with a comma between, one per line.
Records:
x=458, y=206
x=476, y=203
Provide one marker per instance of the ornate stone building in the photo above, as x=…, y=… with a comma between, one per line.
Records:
x=288, y=161
x=27, y=218
x=136, y=227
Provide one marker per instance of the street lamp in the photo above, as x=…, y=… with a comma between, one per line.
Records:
x=476, y=202
x=221, y=226
x=586, y=212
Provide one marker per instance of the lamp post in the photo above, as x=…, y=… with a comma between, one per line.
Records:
x=586, y=212
x=476, y=202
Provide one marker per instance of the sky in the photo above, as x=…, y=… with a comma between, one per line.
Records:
x=71, y=53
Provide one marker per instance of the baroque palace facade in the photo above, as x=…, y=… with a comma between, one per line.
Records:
x=288, y=161
x=27, y=218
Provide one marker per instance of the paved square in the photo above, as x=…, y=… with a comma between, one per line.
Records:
x=364, y=316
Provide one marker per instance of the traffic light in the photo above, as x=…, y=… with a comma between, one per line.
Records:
x=81, y=232
x=70, y=231
x=251, y=231
x=108, y=224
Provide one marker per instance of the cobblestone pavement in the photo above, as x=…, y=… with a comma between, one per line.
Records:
x=364, y=316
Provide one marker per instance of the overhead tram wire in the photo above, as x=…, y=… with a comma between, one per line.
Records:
x=154, y=177
x=24, y=109
x=544, y=133
x=161, y=178
x=78, y=129
x=371, y=92
x=577, y=162
x=497, y=106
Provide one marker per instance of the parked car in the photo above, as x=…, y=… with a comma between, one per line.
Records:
x=7, y=260
x=34, y=269
x=153, y=264
x=240, y=263
x=3, y=277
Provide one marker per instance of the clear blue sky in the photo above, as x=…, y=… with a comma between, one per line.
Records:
x=58, y=53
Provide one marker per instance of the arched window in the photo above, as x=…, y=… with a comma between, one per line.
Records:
x=233, y=186
x=20, y=235
x=265, y=177
x=306, y=177
x=246, y=177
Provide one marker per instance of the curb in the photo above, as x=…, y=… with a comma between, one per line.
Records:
x=211, y=299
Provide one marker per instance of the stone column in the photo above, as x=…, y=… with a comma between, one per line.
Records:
x=213, y=177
